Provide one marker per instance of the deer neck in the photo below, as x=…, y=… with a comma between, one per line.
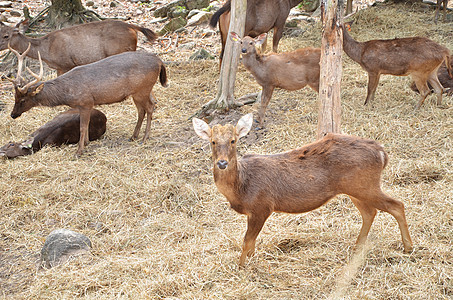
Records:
x=227, y=181
x=254, y=63
x=353, y=48
x=21, y=42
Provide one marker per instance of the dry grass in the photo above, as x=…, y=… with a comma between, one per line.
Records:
x=160, y=229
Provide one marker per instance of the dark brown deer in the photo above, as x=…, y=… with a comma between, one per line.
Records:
x=416, y=56
x=61, y=130
x=299, y=180
x=67, y=48
x=289, y=70
x=444, y=79
x=261, y=17
x=107, y=81
x=438, y=5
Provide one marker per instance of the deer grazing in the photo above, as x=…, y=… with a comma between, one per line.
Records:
x=289, y=70
x=416, y=56
x=63, y=129
x=107, y=81
x=74, y=46
x=261, y=17
x=299, y=180
x=444, y=79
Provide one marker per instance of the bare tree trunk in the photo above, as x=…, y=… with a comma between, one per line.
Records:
x=331, y=69
x=225, y=97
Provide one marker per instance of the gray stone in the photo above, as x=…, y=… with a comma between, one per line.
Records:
x=199, y=18
x=15, y=13
x=173, y=25
x=201, y=55
x=5, y=4
x=162, y=12
x=178, y=11
x=61, y=244
x=196, y=4
x=187, y=46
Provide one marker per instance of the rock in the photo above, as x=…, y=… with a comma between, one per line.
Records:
x=15, y=13
x=89, y=3
x=113, y=4
x=200, y=55
x=196, y=4
x=173, y=25
x=178, y=11
x=199, y=18
x=187, y=46
x=61, y=244
x=5, y=4
x=14, y=20
x=162, y=12
x=3, y=18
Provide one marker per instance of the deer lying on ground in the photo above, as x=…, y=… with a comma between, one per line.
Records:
x=416, y=56
x=261, y=17
x=299, y=180
x=444, y=79
x=289, y=70
x=67, y=48
x=63, y=129
x=107, y=81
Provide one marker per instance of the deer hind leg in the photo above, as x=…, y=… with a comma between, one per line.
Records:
x=437, y=86
x=368, y=213
x=422, y=86
x=141, y=116
x=266, y=96
x=394, y=207
x=373, y=81
x=149, y=108
x=254, y=225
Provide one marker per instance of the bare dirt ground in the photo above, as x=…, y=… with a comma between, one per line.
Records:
x=159, y=227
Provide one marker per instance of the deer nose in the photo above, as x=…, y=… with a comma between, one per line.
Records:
x=14, y=116
x=244, y=50
x=222, y=164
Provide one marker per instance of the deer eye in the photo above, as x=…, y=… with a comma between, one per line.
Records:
x=233, y=141
x=213, y=142
x=6, y=36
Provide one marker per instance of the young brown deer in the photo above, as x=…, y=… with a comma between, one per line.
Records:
x=261, y=17
x=444, y=79
x=288, y=70
x=299, y=180
x=416, y=56
x=107, y=81
x=67, y=48
x=63, y=129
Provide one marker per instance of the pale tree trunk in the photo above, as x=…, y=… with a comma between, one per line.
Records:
x=330, y=78
x=225, y=97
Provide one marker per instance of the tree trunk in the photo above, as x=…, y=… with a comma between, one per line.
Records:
x=331, y=69
x=225, y=97
x=65, y=12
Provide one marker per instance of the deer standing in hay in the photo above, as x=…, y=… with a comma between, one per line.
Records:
x=299, y=180
x=107, y=81
x=419, y=57
x=63, y=129
x=74, y=46
x=261, y=16
x=288, y=70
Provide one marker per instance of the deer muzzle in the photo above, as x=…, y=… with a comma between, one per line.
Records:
x=222, y=164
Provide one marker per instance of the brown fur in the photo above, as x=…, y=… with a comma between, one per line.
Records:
x=289, y=70
x=261, y=17
x=416, y=56
x=63, y=129
x=78, y=45
x=444, y=79
x=301, y=180
x=107, y=81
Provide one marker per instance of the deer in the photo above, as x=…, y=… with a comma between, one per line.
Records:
x=444, y=79
x=107, y=81
x=61, y=130
x=418, y=57
x=74, y=46
x=299, y=180
x=261, y=17
x=438, y=5
x=288, y=70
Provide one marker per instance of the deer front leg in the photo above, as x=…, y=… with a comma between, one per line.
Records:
x=373, y=81
x=84, y=124
x=255, y=223
x=265, y=98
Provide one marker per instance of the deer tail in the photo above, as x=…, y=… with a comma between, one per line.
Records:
x=216, y=16
x=163, y=75
x=148, y=33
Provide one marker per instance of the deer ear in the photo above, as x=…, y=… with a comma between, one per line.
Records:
x=259, y=40
x=22, y=26
x=235, y=37
x=38, y=89
x=244, y=125
x=202, y=129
